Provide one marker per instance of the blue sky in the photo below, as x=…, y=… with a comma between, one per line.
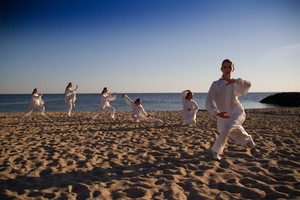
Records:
x=148, y=45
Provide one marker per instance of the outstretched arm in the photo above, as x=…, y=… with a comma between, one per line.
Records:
x=128, y=100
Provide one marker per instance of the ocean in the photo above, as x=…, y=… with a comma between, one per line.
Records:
x=90, y=102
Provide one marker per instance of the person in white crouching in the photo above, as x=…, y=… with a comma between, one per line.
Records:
x=222, y=102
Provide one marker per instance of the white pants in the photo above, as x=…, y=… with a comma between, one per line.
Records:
x=69, y=108
x=231, y=127
x=70, y=101
x=31, y=107
x=109, y=108
x=189, y=118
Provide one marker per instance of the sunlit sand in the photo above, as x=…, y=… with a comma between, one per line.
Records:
x=76, y=158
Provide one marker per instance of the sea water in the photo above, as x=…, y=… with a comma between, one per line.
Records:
x=90, y=102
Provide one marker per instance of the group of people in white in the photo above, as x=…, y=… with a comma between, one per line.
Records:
x=221, y=101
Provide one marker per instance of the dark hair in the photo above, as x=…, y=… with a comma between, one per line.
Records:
x=137, y=100
x=69, y=84
x=227, y=60
x=188, y=93
x=105, y=88
x=34, y=90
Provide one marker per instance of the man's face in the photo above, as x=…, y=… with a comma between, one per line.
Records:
x=227, y=69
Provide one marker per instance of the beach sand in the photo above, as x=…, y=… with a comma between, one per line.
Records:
x=57, y=157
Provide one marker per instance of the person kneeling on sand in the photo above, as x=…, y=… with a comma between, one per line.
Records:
x=138, y=112
x=189, y=108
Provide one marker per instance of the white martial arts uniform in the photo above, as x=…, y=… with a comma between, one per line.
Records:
x=138, y=112
x=70, y=98
x=189, y=116
x=36, y=102
x=104, y=105
x=225, y=98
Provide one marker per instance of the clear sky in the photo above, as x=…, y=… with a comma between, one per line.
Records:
x=147, y=45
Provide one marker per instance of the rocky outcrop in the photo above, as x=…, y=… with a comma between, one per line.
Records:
x=286, y=99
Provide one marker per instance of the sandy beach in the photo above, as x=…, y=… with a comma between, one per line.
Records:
x=57, y=157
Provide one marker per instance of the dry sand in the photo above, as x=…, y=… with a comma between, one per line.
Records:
x=57, y=157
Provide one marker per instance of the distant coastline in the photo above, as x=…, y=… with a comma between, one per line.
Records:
x=284, y=99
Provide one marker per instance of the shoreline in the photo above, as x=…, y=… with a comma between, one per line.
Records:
x=90, y=103
x=35, y=112
x=72, y=157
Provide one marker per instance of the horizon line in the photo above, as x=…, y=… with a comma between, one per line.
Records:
x=135, y=93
